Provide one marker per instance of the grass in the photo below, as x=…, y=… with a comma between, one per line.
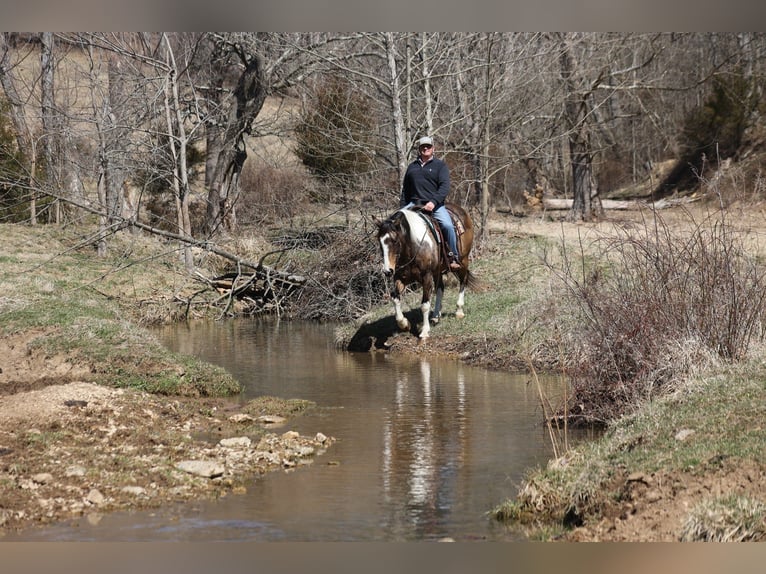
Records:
x=726, y=519
x=85, y=308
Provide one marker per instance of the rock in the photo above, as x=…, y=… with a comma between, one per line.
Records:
x=135, y=490
x=95, y=497
x=240, y=418
x=235, y=442
x=203, y=468
x=291, y=435
x=42, y=478
x=639, y=477
x=74, y=470
x=304, y=450
x=269, y=457
x=653, y=496
x=683, y=434
x=320, y=438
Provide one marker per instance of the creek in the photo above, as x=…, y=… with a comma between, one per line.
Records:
x=425, y=447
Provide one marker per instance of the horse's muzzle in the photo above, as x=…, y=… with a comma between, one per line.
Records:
x=387, y=271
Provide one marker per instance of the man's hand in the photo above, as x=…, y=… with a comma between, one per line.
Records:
x=429, y=207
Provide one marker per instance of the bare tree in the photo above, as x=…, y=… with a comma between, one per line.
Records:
x=178, y=143
x=577, y=118
x=228, y=129
x=24, y=138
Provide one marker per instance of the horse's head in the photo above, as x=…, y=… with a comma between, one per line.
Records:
x=391, y=239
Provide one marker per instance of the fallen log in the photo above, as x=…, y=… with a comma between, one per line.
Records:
x=552, y=203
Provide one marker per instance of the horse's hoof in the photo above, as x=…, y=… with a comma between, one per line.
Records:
x=404, y=325
x=460, y=314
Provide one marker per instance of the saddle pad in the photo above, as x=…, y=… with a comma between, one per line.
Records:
x=459, y=228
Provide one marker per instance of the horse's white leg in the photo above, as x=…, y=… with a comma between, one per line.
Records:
x=425, y=306
x=401, y=320
x=460, y=302
x=425, y=331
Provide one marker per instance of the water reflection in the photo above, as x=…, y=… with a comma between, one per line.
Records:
x=425, y=448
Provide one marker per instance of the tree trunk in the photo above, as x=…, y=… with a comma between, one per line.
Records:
x=426, y=84
x=178, y=144
x=584, y=190
x=116, y=142
x=224, y=188
x=51, y=131
x=402, y=148
x=18, y=118
x=486, y=140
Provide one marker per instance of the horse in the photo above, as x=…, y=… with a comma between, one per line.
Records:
x=413, y=252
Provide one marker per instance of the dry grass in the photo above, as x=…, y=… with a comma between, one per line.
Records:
x=651, y=303
x=727, y=519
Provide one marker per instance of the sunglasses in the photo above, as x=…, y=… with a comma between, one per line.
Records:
x=426, y=146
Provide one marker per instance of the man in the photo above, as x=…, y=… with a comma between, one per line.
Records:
x=426, y=183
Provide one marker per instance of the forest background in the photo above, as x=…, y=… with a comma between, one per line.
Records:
x=205, y=134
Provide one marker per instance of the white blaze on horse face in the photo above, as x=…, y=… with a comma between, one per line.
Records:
x=388, y=264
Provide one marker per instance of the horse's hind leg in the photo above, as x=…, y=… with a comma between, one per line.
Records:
x=436, y=314
x=459, y=313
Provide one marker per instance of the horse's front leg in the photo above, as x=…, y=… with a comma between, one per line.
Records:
x=396, y=297
x=425, y=306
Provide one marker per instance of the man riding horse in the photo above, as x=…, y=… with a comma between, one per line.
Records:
x=426, y=185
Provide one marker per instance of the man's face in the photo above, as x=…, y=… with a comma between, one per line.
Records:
x=426, y=152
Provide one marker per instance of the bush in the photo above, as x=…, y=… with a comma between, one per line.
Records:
x=270, y=193
x=654, y=305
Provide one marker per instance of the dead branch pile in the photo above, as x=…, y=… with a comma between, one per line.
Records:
x=264, y=290
x=345, y=283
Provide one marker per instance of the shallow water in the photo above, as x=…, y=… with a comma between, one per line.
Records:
x=425, y=448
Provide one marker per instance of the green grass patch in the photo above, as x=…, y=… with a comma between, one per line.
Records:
x=84, y=309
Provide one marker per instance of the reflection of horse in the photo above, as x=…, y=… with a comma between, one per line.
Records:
x=413, y=252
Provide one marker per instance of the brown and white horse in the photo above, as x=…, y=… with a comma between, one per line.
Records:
x=412, y=254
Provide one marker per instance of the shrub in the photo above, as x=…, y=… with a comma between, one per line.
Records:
x=270, y=193
x=345, y=283
x=655, y=304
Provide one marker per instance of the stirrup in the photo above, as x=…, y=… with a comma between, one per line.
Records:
x=454, y=263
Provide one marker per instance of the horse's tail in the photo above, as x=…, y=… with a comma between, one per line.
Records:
x=471, y=280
